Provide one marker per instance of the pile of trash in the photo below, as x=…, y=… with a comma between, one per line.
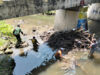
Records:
x=70, y=39
x=46, y=35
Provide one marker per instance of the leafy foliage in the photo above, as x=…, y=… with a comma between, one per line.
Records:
x=6, y=29
x=2, y=42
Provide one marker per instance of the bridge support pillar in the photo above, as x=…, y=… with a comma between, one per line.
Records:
x=65, y=20
x=93, y=15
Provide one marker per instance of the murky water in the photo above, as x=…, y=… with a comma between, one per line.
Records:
x=33, y=59
x=27, y=59
x=25, y=64
x=87, y=67
x=54, y=69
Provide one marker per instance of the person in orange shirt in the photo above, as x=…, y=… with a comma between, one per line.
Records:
x=58, y=54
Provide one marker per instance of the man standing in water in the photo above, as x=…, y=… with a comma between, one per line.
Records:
x=93, y=47
x=35, y=44
x=16, y=33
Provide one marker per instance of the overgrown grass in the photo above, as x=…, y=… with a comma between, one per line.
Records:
x=39, y=19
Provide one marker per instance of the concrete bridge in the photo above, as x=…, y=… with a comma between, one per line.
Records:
x=66, y=18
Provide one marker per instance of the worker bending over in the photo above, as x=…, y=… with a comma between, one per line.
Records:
x=58, y=54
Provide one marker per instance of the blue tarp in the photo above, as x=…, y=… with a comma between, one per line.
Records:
x=83, y=23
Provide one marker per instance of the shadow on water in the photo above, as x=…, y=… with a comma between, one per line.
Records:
x=42, y=68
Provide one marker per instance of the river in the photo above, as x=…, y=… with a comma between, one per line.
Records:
x=87, y=66
x=25, y=64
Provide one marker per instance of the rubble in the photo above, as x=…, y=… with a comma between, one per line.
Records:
x=70, y=39
x=46, y=35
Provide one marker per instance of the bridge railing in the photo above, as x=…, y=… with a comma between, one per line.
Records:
x=74, y=3
x=71, y=3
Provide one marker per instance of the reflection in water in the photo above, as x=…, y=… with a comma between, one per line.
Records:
x=28, y=59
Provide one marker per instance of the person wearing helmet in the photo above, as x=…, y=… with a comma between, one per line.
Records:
x=58, y=54
x=16, y=33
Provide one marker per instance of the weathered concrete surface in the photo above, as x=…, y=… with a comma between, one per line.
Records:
x=94, y=27
x=65, y=20
x=17, y=8
x=94, y=11
x=94, y=16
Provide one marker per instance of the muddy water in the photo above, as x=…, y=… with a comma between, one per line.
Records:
x=25, y=64
x=26, y=59
x=87, y=66
x=54, y=69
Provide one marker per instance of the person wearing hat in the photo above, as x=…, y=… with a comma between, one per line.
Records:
x=58, y=54
x=16, y=33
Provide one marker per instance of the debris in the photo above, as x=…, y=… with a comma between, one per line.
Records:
x=46, y=35
x=23, y=45
x=69, y=39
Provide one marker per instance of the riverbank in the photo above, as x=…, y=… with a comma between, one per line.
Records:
x=27, y=59
x=40, y=23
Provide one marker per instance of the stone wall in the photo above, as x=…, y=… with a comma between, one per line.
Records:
x=17, y=8
x=10, y=9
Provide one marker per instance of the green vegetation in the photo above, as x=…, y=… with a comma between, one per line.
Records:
x=40, y=17
x=5, y=31
x=50, y=12
x=2, y=42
